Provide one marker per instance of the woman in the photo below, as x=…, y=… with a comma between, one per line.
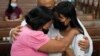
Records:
x=66, y=18
x=13, y=12
x=32, y=40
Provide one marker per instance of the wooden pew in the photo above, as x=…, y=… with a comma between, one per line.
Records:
x=90, y=8
x=4, y=32
x=82, y=4
x=5, y=28
x=93, y=28
x=86, y=5
x=95, y=31
x=95, y=35
x=96, y=45
x=95, y=9
x=11, y=24
x=5, y=49
x=5, y=45
x=98, y=10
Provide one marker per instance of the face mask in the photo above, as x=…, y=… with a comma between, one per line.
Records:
x=14, y=5
x=59, y=25
x=45, y=31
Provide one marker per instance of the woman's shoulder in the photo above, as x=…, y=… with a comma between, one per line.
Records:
x=26, y=30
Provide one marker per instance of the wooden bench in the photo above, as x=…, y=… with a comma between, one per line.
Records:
x=11, y=24
x=5, y=45
x=94, y=31
x=5, y=49
x=5, y=28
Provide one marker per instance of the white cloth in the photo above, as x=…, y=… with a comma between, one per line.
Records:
x=23, y=23
x=53, y=32
x=69, y=0
x=75, y=47
x=90, y=50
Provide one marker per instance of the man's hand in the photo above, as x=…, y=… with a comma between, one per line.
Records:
x=15, y=31
x=84, y=44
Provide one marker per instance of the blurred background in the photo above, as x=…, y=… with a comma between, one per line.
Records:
x=88, y=11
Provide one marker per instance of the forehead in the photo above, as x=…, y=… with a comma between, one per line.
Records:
x=45, y=0
x=14, y=0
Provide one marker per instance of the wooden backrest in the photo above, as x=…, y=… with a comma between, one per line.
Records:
x=5, y=28
x=93, y=27
x=3, y=6
x=86, y=1
x=96, y=2
x=5, y=49
x=90, y=2
x=9, y=24
x=4, y=32
x=94, y=31
x=81, y=1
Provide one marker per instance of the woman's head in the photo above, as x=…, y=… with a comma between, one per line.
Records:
x=38, y=17
x=12, y=5
x=66, y=15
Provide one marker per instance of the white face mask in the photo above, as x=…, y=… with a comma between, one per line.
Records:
x=13, y=4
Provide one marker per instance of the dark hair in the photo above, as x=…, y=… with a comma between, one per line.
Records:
x=10, y=8
x=38, y=16
x=68, y=10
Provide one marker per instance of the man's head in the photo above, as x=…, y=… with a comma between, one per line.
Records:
x=47, y=3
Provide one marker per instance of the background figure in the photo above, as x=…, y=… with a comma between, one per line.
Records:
x=13, y=12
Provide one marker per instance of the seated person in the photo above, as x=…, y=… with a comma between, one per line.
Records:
x=13, y=12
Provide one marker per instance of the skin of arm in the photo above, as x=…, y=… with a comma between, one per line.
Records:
x=59, y=45
x=16, y=30
x=18, y=19
x=6, y=18
x=69, y=52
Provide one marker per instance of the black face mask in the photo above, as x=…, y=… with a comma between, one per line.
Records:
x=45, y=31
x=59, y=25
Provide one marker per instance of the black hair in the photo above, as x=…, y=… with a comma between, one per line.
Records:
x=10, y=8
x=68, y=10
x=38, y=16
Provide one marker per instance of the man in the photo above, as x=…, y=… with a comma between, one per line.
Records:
x=49, y=4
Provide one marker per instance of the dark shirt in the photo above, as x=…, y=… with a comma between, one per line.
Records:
x=14, y=15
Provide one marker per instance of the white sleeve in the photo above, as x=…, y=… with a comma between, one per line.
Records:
x=77, y=50
x=90, y=50
x=23, y=23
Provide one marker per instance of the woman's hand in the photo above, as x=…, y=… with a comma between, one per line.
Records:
x=14, y=32
x=84, y=44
